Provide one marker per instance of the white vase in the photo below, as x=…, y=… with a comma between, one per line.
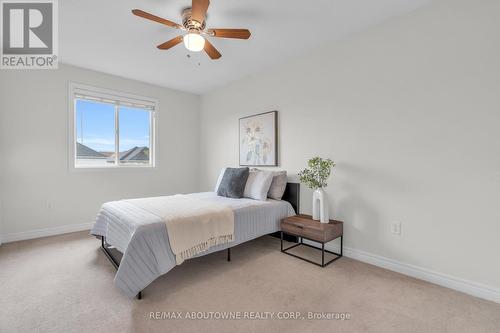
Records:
x=320, y=206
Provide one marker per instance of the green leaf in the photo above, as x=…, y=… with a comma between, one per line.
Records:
x=318, y=173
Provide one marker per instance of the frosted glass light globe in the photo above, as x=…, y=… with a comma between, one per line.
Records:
x=194, y=42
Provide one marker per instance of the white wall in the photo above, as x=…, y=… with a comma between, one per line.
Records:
x=409, y=110
x=34, y=150
x=1, y=203
x=1, y=185
x=2, y=121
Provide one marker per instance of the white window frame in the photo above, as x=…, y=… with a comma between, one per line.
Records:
x=118, y=98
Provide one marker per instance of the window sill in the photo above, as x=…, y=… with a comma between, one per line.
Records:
x=132, y=168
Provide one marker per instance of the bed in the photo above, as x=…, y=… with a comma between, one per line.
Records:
x=136, y=241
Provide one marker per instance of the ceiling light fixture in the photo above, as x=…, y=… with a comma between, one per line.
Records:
x=193, y=41
x=193, y=25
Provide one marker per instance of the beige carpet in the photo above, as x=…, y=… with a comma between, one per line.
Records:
x=65, y=284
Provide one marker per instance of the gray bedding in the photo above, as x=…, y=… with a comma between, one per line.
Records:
x=142, y=236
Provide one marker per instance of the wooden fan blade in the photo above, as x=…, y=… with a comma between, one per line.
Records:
x=155, y=18
x=171, y=43
x=211, y=50
x=230, y=33
x=199, y=10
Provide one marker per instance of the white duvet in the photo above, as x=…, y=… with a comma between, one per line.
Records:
x=141, y=234
x=193, y=224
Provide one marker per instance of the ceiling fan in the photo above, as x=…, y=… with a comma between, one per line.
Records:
x=193, y=23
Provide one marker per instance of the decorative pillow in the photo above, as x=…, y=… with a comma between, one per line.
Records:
x=278, y=185
x=219, y=179
x=258, y=184
x=233, y=183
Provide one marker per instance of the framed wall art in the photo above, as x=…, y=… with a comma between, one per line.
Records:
x=259, y=139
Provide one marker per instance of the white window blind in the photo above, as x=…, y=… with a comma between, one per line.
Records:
x=93, y=95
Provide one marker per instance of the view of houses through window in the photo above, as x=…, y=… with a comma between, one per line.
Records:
x=109, y=134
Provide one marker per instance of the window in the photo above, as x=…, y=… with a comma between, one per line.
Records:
x=111, y=129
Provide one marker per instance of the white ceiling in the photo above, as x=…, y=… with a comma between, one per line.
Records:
x=105, y=36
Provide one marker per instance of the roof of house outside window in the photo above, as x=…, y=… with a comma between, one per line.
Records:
x=137, y=154
x=84, y=152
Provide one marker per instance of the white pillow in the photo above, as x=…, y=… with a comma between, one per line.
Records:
x=258, y=184
x=219, y=179
x=278, y=185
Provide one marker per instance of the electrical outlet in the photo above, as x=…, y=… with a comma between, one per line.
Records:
x=396, y=228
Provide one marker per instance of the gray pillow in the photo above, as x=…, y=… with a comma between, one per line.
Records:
x=233, y=183
x=278, y=185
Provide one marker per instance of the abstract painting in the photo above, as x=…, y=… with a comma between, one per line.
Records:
x=259, y=140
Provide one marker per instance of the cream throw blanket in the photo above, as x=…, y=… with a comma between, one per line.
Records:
x=193, y=225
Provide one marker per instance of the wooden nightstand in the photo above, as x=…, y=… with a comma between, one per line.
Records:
x=304, y=227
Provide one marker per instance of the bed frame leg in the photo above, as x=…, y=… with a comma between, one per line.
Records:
x=229, y=254
x=139, y=295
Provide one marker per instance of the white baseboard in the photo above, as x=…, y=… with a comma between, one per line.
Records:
x=448, y=281
x=64, y=229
